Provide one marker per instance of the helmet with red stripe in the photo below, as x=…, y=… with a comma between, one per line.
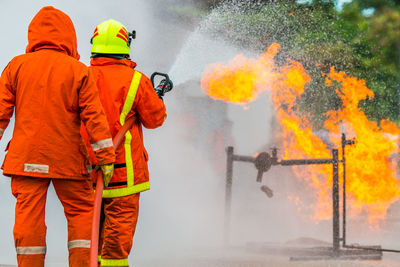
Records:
x=111, y=37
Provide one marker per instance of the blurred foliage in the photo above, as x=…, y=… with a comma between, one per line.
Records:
x=379, y=40
x=362, y=39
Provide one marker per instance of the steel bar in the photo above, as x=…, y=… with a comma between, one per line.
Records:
x=336, y=252
x=304, y=162
x=335, y=203
x=372, y=248
x=228, y=193
x=243, y=158
x=344, y=191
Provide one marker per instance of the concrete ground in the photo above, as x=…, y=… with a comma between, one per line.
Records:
x=243, y=259
x=239, y=257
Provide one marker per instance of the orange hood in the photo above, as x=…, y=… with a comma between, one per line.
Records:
x=52, y=29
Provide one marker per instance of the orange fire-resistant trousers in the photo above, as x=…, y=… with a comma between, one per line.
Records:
x=117, y=227
x=77, y=198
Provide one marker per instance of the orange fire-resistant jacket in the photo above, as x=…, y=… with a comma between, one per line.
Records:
x=52, y=92
x=125, y=92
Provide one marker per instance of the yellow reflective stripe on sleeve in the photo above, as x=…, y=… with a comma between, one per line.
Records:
x=126, y=191
x=114, y=262
x=99, y=258
x=31, y=250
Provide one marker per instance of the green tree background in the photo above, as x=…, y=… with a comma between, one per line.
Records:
x=362, y=38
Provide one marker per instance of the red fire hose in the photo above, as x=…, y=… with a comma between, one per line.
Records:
x=118, y=138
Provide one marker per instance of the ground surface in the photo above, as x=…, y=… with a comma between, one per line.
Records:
x=239, y=258
x=242, y=257
x=248, y=260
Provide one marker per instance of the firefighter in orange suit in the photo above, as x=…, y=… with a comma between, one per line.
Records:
x=124, y=93
x=52, y=92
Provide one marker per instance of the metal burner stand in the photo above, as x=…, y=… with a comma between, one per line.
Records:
x=264, y=161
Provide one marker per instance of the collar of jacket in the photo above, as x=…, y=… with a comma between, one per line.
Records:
x=103, y=61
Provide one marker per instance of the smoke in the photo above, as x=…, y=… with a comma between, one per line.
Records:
x=254, y=216
x=183, y=212
x=184, y=209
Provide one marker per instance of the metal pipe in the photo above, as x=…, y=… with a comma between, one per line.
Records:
x=243, y=158
x=372, y=248
x=228, y=193
x=344, y=191
x=335, y=204
x=304, y=161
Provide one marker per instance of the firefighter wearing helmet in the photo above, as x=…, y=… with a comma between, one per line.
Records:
x=125, y=94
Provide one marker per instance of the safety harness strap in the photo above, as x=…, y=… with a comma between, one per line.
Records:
x=35, y=250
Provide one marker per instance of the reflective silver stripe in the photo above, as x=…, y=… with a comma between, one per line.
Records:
x=102, y=144
x=79, y=244
x=89, y=168
x=30, y=250
x=36, y=168
x=1, y=131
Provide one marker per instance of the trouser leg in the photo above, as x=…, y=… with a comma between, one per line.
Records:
x=77, y=198
x=30, y=227
x=119, y=227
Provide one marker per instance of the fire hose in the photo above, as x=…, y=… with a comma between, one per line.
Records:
x=119, y=137
x=117, y=140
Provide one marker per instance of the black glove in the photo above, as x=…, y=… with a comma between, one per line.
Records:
x=164, y=87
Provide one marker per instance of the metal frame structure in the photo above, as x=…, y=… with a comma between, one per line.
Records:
x=264, y=161
x=346, y=142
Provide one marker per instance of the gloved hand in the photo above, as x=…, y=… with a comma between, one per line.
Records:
x=108, y=170
x=164, y=87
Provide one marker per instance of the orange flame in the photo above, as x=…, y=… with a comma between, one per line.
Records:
x=371, y=176
x=241, y=80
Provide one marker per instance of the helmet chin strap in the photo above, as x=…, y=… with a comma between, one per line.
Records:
x=116, y=56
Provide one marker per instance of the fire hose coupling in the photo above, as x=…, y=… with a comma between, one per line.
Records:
x=164, y=86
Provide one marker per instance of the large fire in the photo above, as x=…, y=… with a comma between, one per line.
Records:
x=370, y=170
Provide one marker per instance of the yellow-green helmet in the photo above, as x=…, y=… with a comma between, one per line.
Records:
x=111, y=37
